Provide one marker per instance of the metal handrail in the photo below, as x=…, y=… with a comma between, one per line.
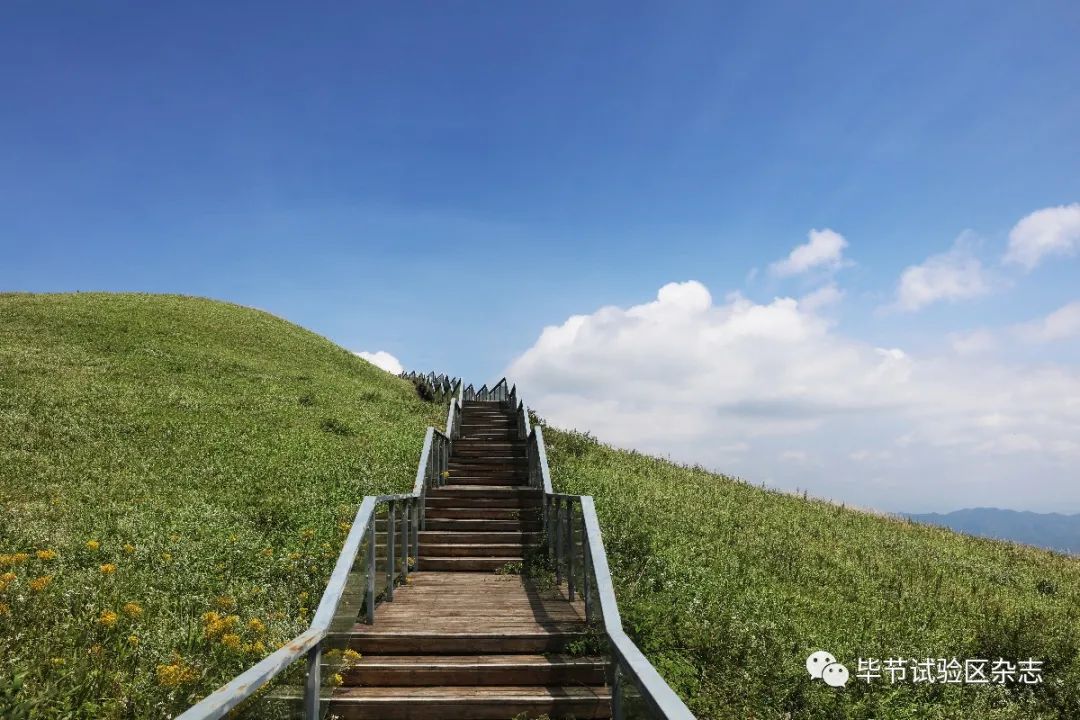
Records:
x=434, y=459
x=558, y=523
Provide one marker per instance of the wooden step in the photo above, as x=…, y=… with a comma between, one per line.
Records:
x=495, y=479
x=507, y=638
x=428, y=549
x=485, y=491
x=469, y=564
x=472, y=525
x=439, y=537
x=486, y=461
x=471, y=500
x=481, y=513
x=470, y=702
x=474, y=670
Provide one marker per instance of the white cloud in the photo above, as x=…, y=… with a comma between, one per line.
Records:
x=1061, y=324
x=382, y=359
x=973, y=342
x=1050, y=231
x=953, y=275
x=824, y=249
x=689, y=377
x=822, y=297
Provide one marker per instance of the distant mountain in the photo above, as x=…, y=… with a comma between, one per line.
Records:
x=1053, y=531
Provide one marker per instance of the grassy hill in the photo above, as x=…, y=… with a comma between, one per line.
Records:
x=729, y=587
x=165, y=457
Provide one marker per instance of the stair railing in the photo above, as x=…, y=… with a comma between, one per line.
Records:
x=381, y=548
x=576, y=549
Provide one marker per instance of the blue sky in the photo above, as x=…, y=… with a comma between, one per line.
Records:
x=401, y=177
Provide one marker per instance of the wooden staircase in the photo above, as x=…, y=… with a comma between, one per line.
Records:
x=461, y=641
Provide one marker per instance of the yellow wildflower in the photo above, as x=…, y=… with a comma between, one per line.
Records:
x=307, y=533
x=95, y=650
x=256, y=625
x=93, y=545
x=4, y=609
x=176, y=673
x=57, y=661
x=7, y=560
x=267, y=552
x=303, y=595
x=46, y=554
x=336, y=679
x=108, y=569
x=214, y=625
x=8, y=577
x=258, y=647
x=225, y=602
x=129, y=548
x=303, y=613
x=133, y=640
x=445, y=474
x=345, y=527
x=39, y=584
x=174, y=537
x=108, y=618
x=167, y=557
x=231, y=641
x=294, y=556
x=351, y=656
x=132, y=609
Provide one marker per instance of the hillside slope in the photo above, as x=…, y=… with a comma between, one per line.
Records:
x=729, y=587
x=166, y=457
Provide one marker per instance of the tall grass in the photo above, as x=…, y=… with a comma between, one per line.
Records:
x=729, y=587
x=176, y=478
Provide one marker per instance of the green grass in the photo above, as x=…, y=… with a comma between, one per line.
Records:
x=213, y=452
x=728, y=587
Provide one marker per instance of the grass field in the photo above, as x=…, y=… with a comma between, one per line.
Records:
x=728, y=588
x=174, y=478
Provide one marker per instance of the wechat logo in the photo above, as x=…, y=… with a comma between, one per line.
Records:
x=823, y=666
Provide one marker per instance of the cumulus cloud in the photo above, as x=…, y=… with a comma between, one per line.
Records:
x=382, y=359
x=690, y=377
x=823, y=250
x=1050, y=231
x=1061, y=324
x=953, y=275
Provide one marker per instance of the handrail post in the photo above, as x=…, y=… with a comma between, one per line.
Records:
x=586, y=586
x=558, y=541
x=391, y=529
x=406, y=516
x=570, y=549
x=416, y=534
x=313, y=683
x=616, y=694
x=371, y=573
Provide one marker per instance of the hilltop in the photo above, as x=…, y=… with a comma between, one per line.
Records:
x=162, y=458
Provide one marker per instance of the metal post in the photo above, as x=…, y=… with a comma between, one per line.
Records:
x=416, y=534
x=558, y=541
x=548, y=528
x=616, y=694
x=586, y=562
x=391, y=531
x=570, y=549
x=313, y=683
x=371, y=573
x=406, y=516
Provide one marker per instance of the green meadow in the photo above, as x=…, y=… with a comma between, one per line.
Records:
x=176, y=477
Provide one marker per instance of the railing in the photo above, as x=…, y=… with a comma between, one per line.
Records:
x=379, y=552
x=381, y=549
x=498, y=393
x=576, y=550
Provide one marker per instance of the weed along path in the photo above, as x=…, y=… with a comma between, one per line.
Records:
x=481, y=595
